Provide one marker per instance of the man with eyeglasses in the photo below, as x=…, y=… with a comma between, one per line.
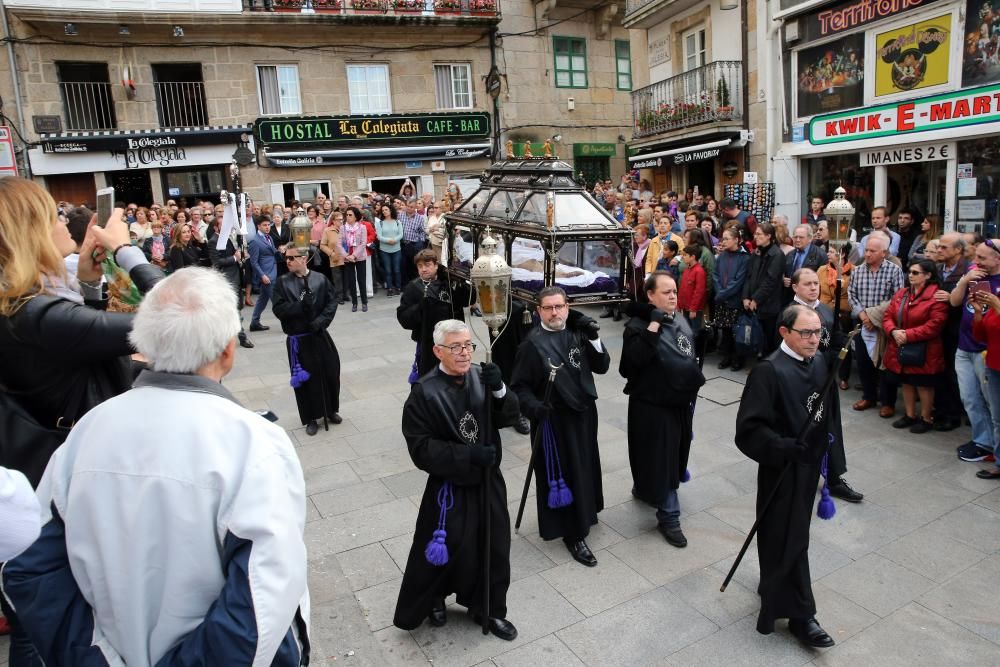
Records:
x=444, y=423
x=948, y=408
x=663, y=377
x=569, y=338
x=780, y=394
x=305, y=304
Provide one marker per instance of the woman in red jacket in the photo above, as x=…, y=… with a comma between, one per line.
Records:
x=986, y=329
x=914, y=316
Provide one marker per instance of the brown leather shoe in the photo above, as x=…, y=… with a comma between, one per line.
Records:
x=863, y=404
x=885, y=412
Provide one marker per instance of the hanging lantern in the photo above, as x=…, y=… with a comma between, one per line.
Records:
x=491, y=279
x=840, y=218
x=301, y=231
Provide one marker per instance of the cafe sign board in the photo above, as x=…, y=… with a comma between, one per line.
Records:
x=962, y=108
x=595, y=150
x=394, y=128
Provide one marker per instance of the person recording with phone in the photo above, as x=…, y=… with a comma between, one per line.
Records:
x=305, y=303
x=61, y=354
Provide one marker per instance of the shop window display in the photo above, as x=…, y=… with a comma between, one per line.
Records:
x=979, y=213
x=823, y=175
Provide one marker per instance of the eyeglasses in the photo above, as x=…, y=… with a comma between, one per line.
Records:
x=553, y=309
x=292, y=258
x=916, y=273
x=806, y=334
x=457, y=348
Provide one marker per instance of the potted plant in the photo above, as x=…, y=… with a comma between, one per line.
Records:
x=370, y=6
x=448, y=6
x=408, y=5
x=483, y=7
x=725, y=109
x=327, y=4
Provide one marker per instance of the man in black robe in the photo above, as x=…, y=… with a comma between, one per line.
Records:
x=426, y=300
x=569, y=422
x=659, y=363
x=780, y=395
x=445, y=425
x=805, y=288
x=305, y=304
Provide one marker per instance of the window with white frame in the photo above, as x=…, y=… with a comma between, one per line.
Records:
x=368, y=86
x=694, y=48
x=278, y=89
x=454, y=86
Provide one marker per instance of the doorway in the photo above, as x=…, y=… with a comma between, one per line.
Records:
x=919, y=186
x=131, y=186
x=76, y=189
x=393, y=186
x=702, y=176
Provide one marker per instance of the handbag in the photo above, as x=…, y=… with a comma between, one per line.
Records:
x=748, y=334
x=910, y=354
x=25, y=445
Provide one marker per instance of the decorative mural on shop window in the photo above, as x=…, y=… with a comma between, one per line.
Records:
x=831, y=76
x=981, y=50
x=913, y=56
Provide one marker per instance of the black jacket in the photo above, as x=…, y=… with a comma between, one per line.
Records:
x=763, y=284
x=60, y=358
x=815, y=258
x=304, y=305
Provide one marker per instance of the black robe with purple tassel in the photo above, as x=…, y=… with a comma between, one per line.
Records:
x=775, y=405
x=663, y=379
x=306, y=307
x=442, y=421
x=424, y=304
x=572, y=454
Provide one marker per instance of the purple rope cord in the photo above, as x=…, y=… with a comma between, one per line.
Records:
x=414, y=371
x=299, y=374
x=825, y=509
x=436, y=551
x=559, y=493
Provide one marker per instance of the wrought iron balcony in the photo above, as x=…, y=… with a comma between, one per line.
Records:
x=89, y=105
x=708, y=94
x=398, y=8
x=181, y=103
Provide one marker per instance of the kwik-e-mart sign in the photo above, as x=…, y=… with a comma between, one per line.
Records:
x=937, y=112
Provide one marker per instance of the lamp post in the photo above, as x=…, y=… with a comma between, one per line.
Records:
x=490, y=276
x=301, y=231
x=839, y=220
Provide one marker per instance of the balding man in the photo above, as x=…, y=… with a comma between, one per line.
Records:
x=872, y=283
x=948, y=408
x=804, y=256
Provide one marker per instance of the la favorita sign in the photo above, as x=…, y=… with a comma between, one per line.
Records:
x=937, y=112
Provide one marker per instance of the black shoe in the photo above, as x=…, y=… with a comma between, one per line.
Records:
x=839, y=488
x=617, y=317
x=809, y=632
x=737, y=365
x=945, y=424
x=245, y=341
x=499, y=627
x=607, y=312
x=258, y=327
x=581, y=552
x=523, y=426
x=674, y=536
x=354, y=308
x=342, y=301
x=335, y=418
x=921, y=427
x=438, y=615
x=726, y=362
x=904, y=422
x=312, y=428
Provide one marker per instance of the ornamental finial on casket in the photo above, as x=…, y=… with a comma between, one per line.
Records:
x=510, y=149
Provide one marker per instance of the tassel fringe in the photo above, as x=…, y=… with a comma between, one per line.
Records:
x=825, y=509
x=299, y=374
x=414, y=371
x=436, y=551
x=559, y=492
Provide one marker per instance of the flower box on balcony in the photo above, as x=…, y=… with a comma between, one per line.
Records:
x=483, y=7
x=724, y=113
x=447, y=6
x=370, y=6
x=408, y=5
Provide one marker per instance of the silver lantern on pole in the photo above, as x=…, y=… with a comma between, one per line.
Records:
x=840, y=218
x=301, y=231
x=491, y=277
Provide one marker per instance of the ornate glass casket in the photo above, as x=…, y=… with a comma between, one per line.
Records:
x=547, y=227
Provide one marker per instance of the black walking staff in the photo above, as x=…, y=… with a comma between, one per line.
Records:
x=831, y=378
x=553, y=369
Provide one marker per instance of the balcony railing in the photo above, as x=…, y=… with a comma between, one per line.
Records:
x=89, y=105
x=489, y=8
x=181, y=103
x=708, y=94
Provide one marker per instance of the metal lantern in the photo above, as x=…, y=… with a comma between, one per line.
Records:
x=301, y=231
x=491, y=279
x=840, y=218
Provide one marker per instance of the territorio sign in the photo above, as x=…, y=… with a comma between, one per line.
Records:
x=937, y=112
x=338, y=130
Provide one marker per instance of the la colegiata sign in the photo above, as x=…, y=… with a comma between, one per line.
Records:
x=937, y=112
x=398, y=128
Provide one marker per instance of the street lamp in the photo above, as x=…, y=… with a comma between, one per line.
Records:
x=301, y=231
x=491, y=279
x=840, y=218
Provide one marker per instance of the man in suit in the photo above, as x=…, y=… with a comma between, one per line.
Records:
x=264, y=262
x=804, y=255
x=281, y=234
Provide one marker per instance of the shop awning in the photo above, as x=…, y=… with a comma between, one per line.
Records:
x=303, y=158
x=119, y=140
x=720, y=144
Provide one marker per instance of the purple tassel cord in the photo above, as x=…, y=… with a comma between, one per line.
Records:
x=299, y=374
x=826, y=510
x=414, y=372
x=436, y=551
x=559, y=493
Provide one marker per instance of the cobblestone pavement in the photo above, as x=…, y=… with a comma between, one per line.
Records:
x=901, y=579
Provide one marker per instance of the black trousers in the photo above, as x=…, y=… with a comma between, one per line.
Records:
x=410, y=250
x=355, y=274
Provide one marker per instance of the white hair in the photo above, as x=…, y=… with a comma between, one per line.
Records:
x=445, y=327
x=186, y=321
x=782, y=218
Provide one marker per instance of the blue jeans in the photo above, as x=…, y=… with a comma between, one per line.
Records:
x=993, y=395
x=265, y=296
x=668, y=513
x=970, y=367
x=392, y=264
